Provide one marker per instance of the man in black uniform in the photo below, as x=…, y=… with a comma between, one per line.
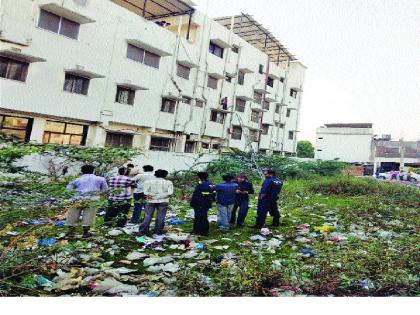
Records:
x=201, y=202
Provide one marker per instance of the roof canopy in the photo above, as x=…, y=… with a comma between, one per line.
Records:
x=254, y=33
x=156, y=9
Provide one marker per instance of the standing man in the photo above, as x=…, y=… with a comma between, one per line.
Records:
x=226, y=193
x=88, y=189
x=267, y=200
x=201, y=202
x=245, y=188
x=119, y=200
x=139, y=199
x=157, y=192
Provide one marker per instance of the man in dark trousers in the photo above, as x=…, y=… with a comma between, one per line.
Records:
x=201, y=202
x=267, y=200
x=245, y=189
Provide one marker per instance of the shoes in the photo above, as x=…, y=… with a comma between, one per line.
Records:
x=87, y=235
x=254, y=227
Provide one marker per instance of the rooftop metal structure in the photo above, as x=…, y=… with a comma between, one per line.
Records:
x=245, y=26
x=157, y=9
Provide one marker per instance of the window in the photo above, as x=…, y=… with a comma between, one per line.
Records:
x=64, y=133
x=293, y=93
x=217, y=117
x=319, y=150
x=76, y=84
x=160, y=144
x=277, y=108
x=320, y=138
x=241, y=78
x=143, y=56
x=183, y=72
x=235, y=49
x=255, y=116
x=265, y=129
x=266, y=105
x=168, y=105
x=58, y=24
x=189, y=147
x=199, y=103
x=216, y=50
x=215, y=146
x=212, y=82
x=282, y=126
x=115, y=139
x=240, y=105
x=236, y=133
x=125, y=95
x=261, y=69
x=289, y=111
x=228, y=79
x=270, y=81
x=258, y=97
x=151, y=59
x=253, y=135
x=282, y=79
x=291, y=135
x=205, y=145
x=16, y=127
x=13, y=69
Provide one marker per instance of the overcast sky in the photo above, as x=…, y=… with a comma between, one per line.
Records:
x=362, y=58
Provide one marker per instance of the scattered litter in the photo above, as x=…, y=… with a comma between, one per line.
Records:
x=199, y=246
x=112, y=286
x=190, y=214
x=273, y=244
x=325, y=229
x=257, y=238
x=177, y=222
x=157, y=260
x=276, y=265
x=265, y=232
x=221, y=247
x=306, y=253
x=171, y=267
x=47, y=242
x=59, y=223
x=136, y=256
x=115, y=232
x=44, y=282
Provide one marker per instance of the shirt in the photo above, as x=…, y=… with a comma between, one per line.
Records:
x=88, y=186
x=271, y=187
x=158, y=189
x=244, y=186
x=120, y=188
x=226, y=193
x=203, y=195
x=140, y=179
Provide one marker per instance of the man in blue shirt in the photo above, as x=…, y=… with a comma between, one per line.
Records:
x=226, y=193
x=201, y=202
x=267, y=200
x=245, y=189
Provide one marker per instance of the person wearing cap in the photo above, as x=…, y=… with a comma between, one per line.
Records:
x=201, y=202
x=245, y=188
x=267, y=200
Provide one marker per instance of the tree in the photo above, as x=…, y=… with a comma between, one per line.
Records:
x=305, y=149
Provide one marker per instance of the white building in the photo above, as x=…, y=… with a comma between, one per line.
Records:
x=350, y=143
x=153, y=74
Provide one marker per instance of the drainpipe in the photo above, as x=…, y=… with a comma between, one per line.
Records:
x=265, y=89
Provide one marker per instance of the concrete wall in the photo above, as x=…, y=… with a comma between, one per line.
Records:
x=347, y=144
x=101, y=49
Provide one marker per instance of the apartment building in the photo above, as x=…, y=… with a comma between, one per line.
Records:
x=157, y=75
x=352, y=143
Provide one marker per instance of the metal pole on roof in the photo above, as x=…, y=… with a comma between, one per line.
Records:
x=144, y=8
x=189, y=25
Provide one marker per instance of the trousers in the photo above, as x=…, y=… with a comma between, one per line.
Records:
x=149, y=211
x=139, y=204
x=201, y=222
x=242, y=205
x=117, y=211
x=266, y=206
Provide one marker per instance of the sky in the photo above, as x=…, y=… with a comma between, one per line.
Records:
x=363, y=58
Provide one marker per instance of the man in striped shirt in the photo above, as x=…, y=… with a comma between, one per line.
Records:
x=157, y=192
x=119, y=200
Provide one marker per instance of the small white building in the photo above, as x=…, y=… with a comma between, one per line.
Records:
x=157, y=75
x=350, y=143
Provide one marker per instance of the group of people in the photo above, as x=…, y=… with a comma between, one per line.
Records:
x=151, y=191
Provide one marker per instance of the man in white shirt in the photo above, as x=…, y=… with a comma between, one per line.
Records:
x=138, y=194
x=157, y=192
